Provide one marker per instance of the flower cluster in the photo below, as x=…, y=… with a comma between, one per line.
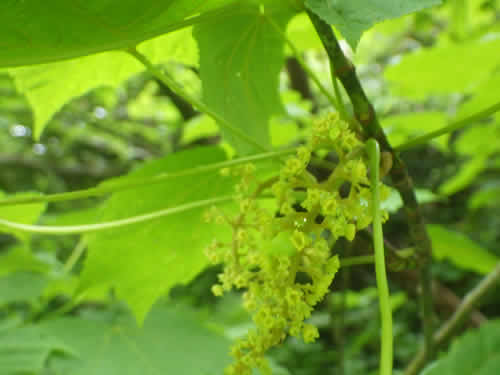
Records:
x=280, y=249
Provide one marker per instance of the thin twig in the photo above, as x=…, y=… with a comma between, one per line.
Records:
x=450, y=128
x=196, y=103
x=75, y=256
x=140, y=182
x=364, y=112
x=357, y=260
x=88, y=228
x=302, y=63
x=471, y=300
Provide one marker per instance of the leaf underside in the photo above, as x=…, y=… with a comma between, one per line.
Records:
x=353, y=17
x=143, y=261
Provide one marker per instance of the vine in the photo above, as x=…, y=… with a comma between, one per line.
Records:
x=373, y=152
x=114, y=187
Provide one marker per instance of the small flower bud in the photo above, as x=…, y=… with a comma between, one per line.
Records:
x=350, y=232
x=217, y=290
x=225, y=172
x=299, y=240
x=310, y=333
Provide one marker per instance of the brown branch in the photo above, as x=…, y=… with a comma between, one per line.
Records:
x=345, y=71
x=400, y=267
x=445, y=299
x=448, y=329
x=299, y=81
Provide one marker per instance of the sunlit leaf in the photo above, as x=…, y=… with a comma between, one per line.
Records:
x=26, y=214
x=465, y=176
x=49, y=86
x=34, y=32
x=435, y=70
x=403, y=127
x=460, y=250
x=486, y=95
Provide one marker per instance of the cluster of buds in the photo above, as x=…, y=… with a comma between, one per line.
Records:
x=273, y=242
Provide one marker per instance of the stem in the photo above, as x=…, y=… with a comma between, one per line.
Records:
x=340, y=315
x=198, y=104
x=449, y=128
x=356, y=261
x=120, y=186
x=338, y=95
x=302, y=63
x=373, y=150
x=365, y=114
x=75, y=256
x=471, y=300
x=75, y=229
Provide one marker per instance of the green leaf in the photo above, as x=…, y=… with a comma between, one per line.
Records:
x=22, y=287
x=477, y=352
x=353, y=17
x=25, y=350
x=34, y=32
x=478, y=141
x=199, y=127
x=486, y=95
x=240, y=62
x=26, y=214
x=403, y=127
x=172, y=341
x=21, y=258
x=302, y=34
x=435, y=70
x=465, y=176
x=49, y=86
x=488, y=195
x=393, y=203
x=460, y=250
x=143, y=261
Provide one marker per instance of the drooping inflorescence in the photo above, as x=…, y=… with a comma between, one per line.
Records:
x=280, y=251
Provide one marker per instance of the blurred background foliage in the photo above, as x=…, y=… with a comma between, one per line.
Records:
x=420, y=71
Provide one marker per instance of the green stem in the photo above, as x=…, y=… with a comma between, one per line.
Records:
x=450, y=128
x=365, y=114
x=76, y=229
x=373, y=151
x=198, y=104
x=75, y=256
x=357, y=261
x=113, y=187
